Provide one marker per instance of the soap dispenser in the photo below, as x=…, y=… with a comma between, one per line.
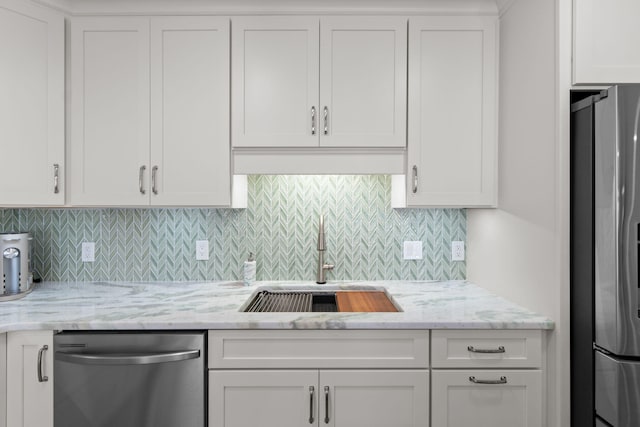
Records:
x=249, y=270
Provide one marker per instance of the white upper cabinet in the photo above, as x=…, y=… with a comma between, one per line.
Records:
x=131, y=146
x=109, y=149
x=309, y=82
x=605, y=41
x=275, y=81
x=363, y=82
x=452, y=135
x=31, y=104
x=190, y=162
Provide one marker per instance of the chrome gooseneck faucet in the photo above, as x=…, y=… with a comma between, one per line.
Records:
x=322, y=266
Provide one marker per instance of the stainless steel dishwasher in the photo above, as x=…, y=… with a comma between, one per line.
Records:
x=123, y=379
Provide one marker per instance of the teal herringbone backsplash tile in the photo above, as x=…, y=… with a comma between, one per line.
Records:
x=364, y=235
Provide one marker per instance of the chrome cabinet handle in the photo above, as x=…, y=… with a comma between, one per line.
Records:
x=140, y=179
x=56, y=170
x=326, y=120
x=326, y=404
x=312, y=391
x=502, y=380
x=415, y=179
x=154, y=187
x=472, y=349
x=42, y=378
x=313, y=120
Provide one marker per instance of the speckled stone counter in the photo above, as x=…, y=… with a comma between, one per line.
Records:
x=215, y=305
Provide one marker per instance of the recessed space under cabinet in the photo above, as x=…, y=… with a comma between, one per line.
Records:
x=150, y=111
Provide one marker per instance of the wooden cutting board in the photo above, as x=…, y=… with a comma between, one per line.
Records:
x=364, y=301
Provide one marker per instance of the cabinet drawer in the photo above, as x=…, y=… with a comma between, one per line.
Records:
x=486, y=349
x=462, y=398
x=318, y=349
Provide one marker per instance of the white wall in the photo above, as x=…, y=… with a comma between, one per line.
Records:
x=519, y=250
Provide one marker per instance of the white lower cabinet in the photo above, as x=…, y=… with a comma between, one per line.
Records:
x=490, y=378
x=332, y=398
x=30, y=379
x=486, y=398
x=396, y=398
x=262, y=398
x=3, y=380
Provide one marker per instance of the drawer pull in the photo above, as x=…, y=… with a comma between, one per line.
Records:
x=326, y=405
x=141, y=179
x=502, y=380
x=56, y=173
x=312, y=391
x=42, y=378
x=486, y=350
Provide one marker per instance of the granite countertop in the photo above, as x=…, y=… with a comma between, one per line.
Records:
x=215, y=305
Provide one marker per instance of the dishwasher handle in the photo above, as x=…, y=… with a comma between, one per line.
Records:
x=126, y=358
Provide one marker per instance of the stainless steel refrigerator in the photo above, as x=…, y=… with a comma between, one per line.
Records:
x=605, y=239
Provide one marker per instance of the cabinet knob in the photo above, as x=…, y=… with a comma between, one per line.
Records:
x=313, y=120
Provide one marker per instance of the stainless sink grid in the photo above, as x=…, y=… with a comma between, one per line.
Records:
x=270, y=301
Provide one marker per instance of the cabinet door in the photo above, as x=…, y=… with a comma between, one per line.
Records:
x=263, y=398
x=3, y=379
x=605, y=45
x=452, y=142
x=31, y=104
x=109, y=149
x=190, y=111
x=363, y=81
x=378, y=398
x=30, y=379
x=275, y=64
x=457, y=401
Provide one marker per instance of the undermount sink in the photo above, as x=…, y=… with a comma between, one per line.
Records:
x=296, y=299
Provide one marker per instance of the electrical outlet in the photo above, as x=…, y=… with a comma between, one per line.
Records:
x=457, y=251
x=202, y=250
x=88, y=251
x=413, y=250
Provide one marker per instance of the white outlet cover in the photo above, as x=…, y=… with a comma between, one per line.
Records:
x=202, y=250
x=457, y=251
x=88, y=251
x=412, y=250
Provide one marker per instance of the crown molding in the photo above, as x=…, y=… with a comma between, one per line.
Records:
x=274, y=7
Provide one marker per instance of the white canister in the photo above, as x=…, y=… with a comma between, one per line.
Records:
x=249, y=270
